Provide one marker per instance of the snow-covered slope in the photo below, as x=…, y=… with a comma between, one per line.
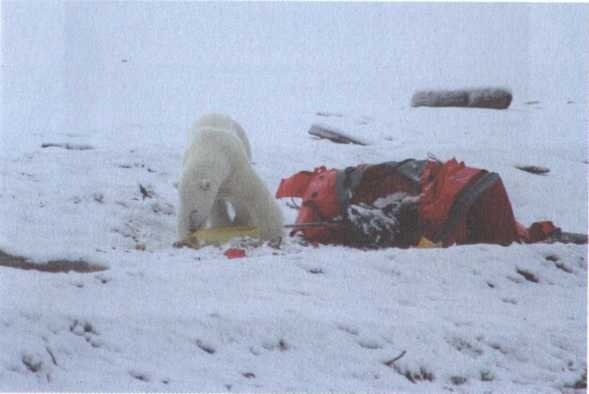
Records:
x=96, y=101
x=298, y=320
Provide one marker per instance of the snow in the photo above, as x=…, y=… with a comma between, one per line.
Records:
x=113, y=87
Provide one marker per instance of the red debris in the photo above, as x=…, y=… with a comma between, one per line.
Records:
x=234, y=253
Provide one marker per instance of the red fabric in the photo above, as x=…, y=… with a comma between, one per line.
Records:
x=439, y=194
x=379, y=181
x=320, y=204
x=540, y=231
x=296, y=185
x=537, y=232
x=234, y=253
x=317, y=189
x=490, y=219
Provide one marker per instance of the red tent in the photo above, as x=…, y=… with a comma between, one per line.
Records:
x=455, y=204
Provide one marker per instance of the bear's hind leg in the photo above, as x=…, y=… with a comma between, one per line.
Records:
x=257, y=207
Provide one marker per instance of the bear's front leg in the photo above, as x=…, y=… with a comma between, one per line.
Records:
x=242, y=214
x=182, y=223
x=219, y=216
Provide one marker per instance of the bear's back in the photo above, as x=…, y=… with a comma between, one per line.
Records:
x=215, y=122
x=215, y=150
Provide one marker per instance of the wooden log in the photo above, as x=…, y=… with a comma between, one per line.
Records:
x=334, y=135
x=537, y=170
x=440, y=98
x=67, y=146
x=494, y=98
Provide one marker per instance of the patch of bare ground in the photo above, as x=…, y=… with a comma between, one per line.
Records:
x=52, y=266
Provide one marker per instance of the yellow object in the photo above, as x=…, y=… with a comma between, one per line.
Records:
x=218, y=235
x=426, y=243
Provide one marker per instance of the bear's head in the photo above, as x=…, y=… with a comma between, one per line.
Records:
x=202, y=199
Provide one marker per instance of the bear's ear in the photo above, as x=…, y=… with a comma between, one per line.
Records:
x=204, y=184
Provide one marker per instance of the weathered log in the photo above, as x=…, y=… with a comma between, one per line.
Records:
x=333, y=134
x=440, y=98
x=494, y=98
x=537, y=170
x=67, y=146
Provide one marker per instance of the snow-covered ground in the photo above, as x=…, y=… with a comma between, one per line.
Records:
x=119, y=84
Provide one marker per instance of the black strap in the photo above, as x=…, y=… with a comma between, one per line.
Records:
x=567, y=238
x=345, y=182
x=465, y=200
x=349, y=179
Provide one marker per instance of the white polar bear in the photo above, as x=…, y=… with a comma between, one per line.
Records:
x=217, y=171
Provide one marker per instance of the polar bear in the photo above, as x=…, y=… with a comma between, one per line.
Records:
x=217, y=172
